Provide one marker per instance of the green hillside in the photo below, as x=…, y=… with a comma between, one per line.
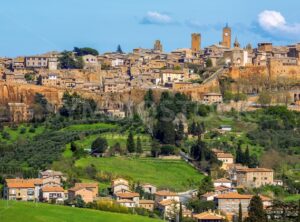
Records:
x=22, y=211
x=172, y=174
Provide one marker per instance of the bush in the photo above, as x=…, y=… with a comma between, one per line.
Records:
x=5, y=135
x=23, y=130
x=99, y=145
x=167, y=150
x=32, y=130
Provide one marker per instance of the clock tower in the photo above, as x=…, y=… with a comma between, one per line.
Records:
x=226, y=37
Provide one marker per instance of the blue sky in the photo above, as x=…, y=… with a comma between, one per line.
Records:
x=36, y=26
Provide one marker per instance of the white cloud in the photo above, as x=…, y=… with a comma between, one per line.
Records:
x=157, y=18
x=274, y=23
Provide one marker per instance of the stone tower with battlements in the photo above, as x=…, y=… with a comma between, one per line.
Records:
x=196, y=42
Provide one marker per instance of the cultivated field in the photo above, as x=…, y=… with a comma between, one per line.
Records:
x=172, y=174
x=22, y=211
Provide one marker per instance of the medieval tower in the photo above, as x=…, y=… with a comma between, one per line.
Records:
x=226, y=37
x=196, y=42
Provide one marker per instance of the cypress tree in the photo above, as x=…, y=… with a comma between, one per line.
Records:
x=298, y=217
x=149, y=98
x=240, y=219
x=180, y=213
x=239, y=154
x=193, y=128
x=168, y=133
x=256, y=211
x=139, y=148
x=180, y=131
x=247, y=157
x=130, y=143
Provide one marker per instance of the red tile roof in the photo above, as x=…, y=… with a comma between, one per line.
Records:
x=52, y=189
x=165, y=193
x=127, y=195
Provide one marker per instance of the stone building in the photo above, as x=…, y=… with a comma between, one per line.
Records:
x=196, y=42
x=19, y=112
x=236, y=56
x=229, y=202
x=226, y=37
x=158, y=46
x=254, y=177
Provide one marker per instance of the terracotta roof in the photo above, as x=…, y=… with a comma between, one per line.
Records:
x=222, y=180
x=221, y=188
x=20, y=185
x=165, y=193
x=79, y=188
x=208, y=216
x=52, y=189
x=126, y=195
x=167, y=202
x=23, y=183
x=234, y=195
x=86, y=185
x=125, y=201
x=246, y=170
x=224, y=155
x=146, y=202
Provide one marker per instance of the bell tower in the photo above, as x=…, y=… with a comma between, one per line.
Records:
x=226, y=37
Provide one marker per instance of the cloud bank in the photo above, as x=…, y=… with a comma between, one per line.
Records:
x=156, y=18
x=274, y=24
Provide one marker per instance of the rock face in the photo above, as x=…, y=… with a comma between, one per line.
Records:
x=25, y=93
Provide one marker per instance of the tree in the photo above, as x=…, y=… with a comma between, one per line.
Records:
x=253, y=161
x=149, y=100
x=264, y=98
x=240, y=219
x=99, y=145
x=119, y=49
x=139, y=148
x=256, y=211
x=247, y=157
x=79, y=202
x=298, y=216
x=68, y=61
x=155, y=148
x=180, y=216
x=199, y=206
x=180, y=131
x=73, y=147
x=85, y=51
x=206, y=185
x=239, y=154
x=209, y=63
x=130, y=143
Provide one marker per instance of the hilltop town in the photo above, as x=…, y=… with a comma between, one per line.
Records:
x=206, y=134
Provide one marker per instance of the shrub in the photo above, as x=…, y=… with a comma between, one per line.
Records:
x=23, y=130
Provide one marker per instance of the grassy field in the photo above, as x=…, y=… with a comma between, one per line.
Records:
x=22, y=211
x=173, y=174
x=292, y=198
x=86, y=127
x=15, y=134
x=112, y=139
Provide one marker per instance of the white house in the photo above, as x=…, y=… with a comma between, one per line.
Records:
x=50, y=193
x=149, y=188
x=119, y=185
x=222, y=182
